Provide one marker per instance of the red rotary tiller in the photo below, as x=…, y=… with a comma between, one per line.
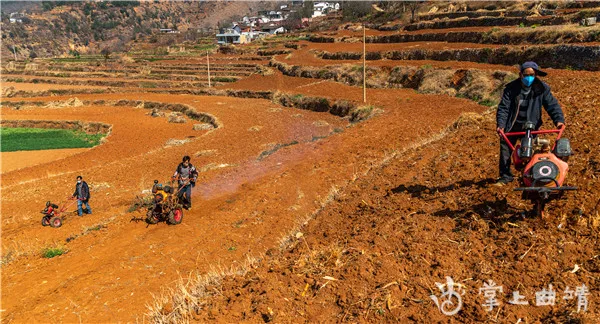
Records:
x=543, y=170
x=52, y=213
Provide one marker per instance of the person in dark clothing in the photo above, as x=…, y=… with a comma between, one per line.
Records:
x=82, y=193
x=522, y=102
x=186, y=175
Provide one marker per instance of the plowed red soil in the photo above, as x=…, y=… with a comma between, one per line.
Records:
x=412, y=205
x=109, y=274
x=358, y=47
x=23, y=159
x=42, y=87
x=305, y=57
x=377, y=251
x=372, y=32
x=375, y=47
x=116, y=79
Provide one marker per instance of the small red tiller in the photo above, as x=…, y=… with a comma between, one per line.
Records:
x=543, y=170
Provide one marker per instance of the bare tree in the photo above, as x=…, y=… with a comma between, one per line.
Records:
x=414, y=6
x=106, y=53
x=294, y=21
x=191, y=34
x=356, y=9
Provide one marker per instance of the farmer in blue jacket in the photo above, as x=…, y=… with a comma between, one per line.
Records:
x=82, y=193
x=522, y=102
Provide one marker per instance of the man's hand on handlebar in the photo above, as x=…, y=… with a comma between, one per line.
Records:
x=499, y=131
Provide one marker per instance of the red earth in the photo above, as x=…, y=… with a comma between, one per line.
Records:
x=22, y=159
x=376, y=252
x=387, y=207
x=125, y=261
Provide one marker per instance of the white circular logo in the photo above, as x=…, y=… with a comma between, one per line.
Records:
x=545, y=171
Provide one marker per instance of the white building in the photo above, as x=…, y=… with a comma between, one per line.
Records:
x=276, y=16
x=322, y=8
x=16, y=17
x=232, y=36
x=273, y=29
x=254, y=35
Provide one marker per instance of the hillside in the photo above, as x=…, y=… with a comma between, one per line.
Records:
x=63, y=28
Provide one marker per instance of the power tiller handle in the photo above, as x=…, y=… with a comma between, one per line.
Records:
x=185, y=183
x=505, y=136
x=65, y=205
x=183, y=186
x=561, y=129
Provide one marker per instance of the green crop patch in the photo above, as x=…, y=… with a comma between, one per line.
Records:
x=31, y=139
x=50, y=253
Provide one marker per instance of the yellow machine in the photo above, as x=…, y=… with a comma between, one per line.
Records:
x=165, y=206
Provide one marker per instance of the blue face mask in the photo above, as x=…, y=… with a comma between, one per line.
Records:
x=528, y=80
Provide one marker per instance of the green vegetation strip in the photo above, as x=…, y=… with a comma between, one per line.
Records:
x=30, y=139
x=49, y=253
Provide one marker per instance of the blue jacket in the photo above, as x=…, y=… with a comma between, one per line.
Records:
x=85, y=191
x=541, y=97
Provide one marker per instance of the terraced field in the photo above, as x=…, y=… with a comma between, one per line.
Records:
x=311, y=204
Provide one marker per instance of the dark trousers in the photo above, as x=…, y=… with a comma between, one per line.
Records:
x=80, y=204
x=506, y=152
x=185, y=194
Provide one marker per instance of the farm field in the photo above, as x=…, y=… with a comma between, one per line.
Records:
x=22, y=159
x=311, y=205
x=30, y=139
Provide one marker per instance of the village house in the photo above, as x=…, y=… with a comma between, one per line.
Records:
x=233, y=35
x=322, y=8
x=251, y=28
x=273, y=28
x=16, y=17
x=169, y=31
x=253, y=34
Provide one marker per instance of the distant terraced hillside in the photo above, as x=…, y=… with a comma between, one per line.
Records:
x=62, y=28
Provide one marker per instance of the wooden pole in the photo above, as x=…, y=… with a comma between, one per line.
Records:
x=364, y=64
x=208, y=67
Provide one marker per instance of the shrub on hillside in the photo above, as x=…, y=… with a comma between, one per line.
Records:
x=354, y=10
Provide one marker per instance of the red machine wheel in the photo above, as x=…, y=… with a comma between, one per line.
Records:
x=46, y=221
x=56, y=222
x=175, y=217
